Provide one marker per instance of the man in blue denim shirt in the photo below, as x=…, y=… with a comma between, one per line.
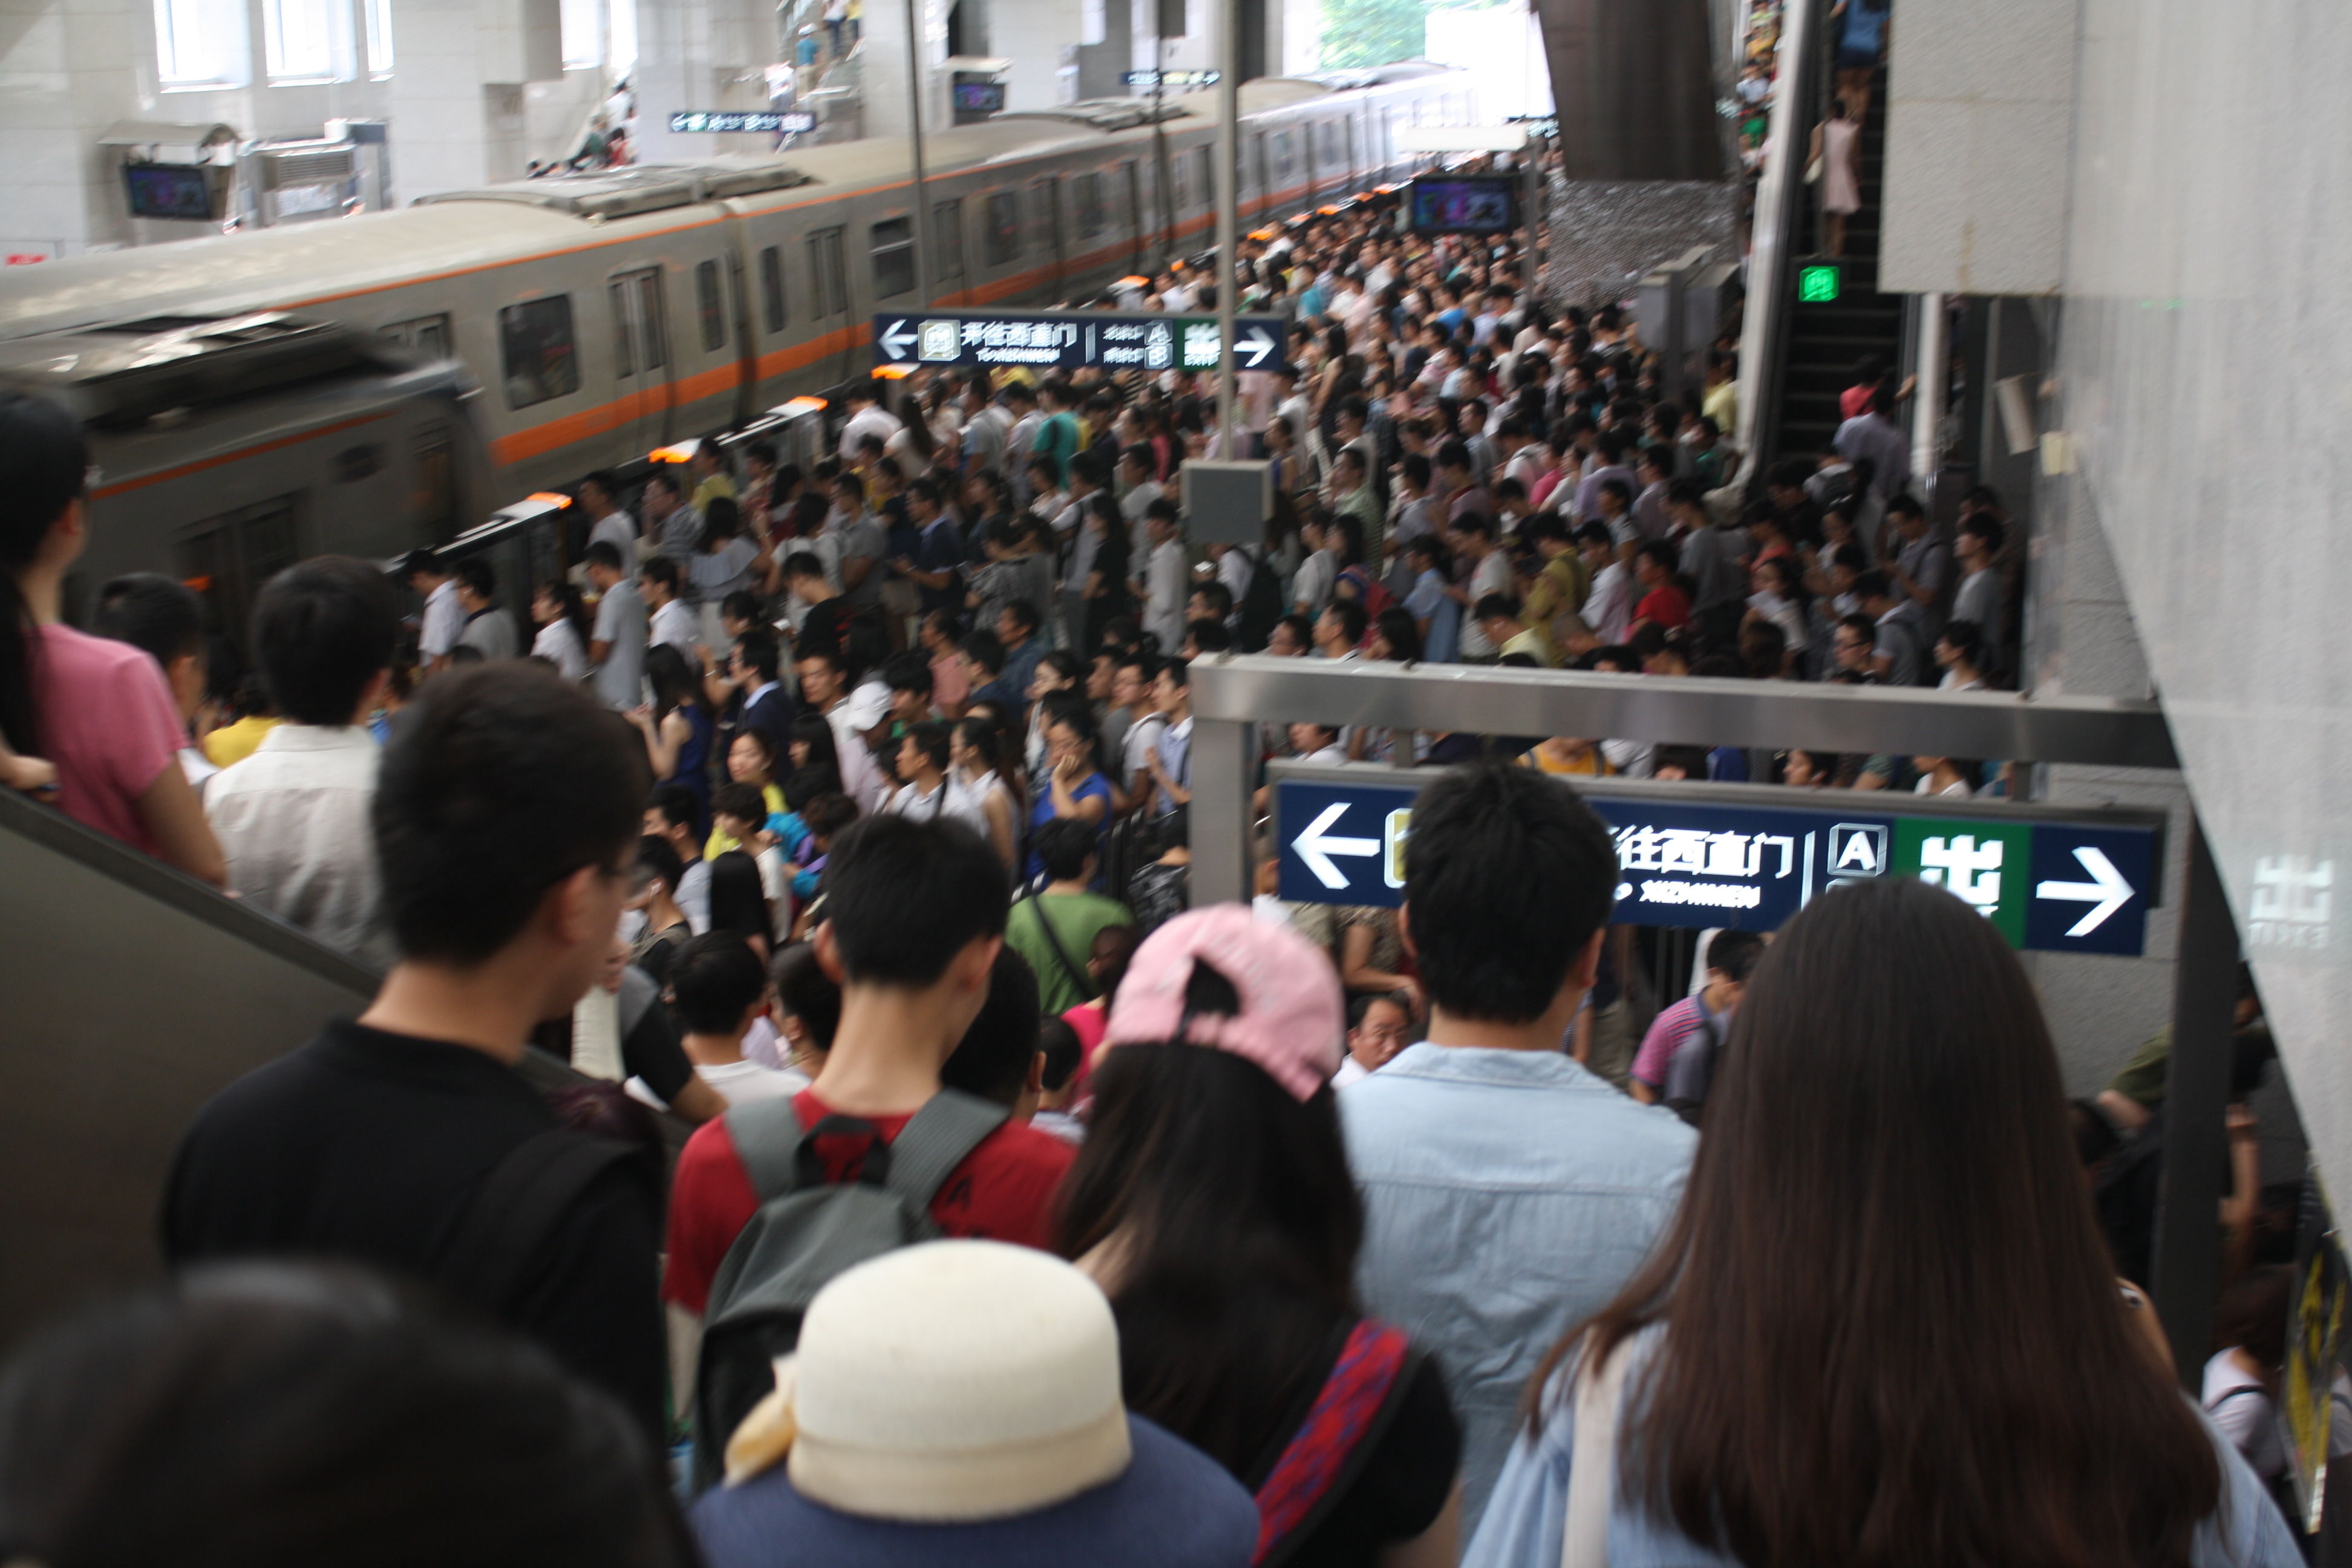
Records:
x=1508, y=1192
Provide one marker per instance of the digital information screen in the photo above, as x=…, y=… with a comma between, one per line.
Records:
x=169, y=191
x=1484, y=204
x=980, y=98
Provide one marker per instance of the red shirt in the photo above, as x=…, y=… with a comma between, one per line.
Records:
x=1667, y=608
x=1004, y=1191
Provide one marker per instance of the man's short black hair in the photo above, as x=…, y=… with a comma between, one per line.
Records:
x=713, y=978
x=1507, y=874
x=1058, y=1044
x=661, y=569
x=806, y=991
x=743, y=802
x=323, y=629
x=604, y=553
x=676, y=804
x=1352, y=618
x=803, y=564
x=502, y=780
x=665, y=475
x=1494, y=605
x=1219, y=599
x=1983, y=525
x=1024, y=614
x=993, y=1057
x=983, y=648
x=908, y=671
x=157, y=615
x=904, y=897
x=761, y=654
x=1065, y=844
x=930, y=738
x=656, y=858
x=1870, y=585
x=1208, y=634
x=1735, y=952
x=477, y=577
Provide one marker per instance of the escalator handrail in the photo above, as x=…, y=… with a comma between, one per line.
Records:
x=1763, y=339
x=110, y=858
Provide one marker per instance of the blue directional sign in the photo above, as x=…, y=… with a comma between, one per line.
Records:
x=1066, y=340
x=794, y=123
x=1686, y=856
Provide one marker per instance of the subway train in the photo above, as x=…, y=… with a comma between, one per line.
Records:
x=607, y=314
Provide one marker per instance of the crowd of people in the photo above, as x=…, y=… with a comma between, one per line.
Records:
x=929, y=1182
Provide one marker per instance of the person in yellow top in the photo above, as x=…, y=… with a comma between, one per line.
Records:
x=1559, y=588
x=1563, y=754
x=231, y=743
x=711, y=477
x=750, y=760
x=1721, y=403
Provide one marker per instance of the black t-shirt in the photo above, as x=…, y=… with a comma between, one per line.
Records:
x=371, y=1147
x=827, y=618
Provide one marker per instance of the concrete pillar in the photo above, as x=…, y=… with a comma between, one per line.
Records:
x=1633, y=84
x=1035, y=36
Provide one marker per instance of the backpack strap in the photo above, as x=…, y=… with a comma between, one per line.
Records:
x=936, y=1139
x=767, y=1138
x=1029, y=895
x=524, y=1195
x=1342, y=1427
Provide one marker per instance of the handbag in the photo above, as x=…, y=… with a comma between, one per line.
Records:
x=1815, y=170
x=1593, y=1482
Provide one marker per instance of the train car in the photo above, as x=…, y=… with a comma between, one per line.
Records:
x=608, y=314
x=225, y=449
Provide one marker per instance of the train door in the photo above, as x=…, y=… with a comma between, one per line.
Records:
x=828, y=282
x=1132, y=182
x=643, y=381
x=1046, y=207
x=948, y=283
x=227, y=557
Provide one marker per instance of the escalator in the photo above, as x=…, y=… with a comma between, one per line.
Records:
x=130, y=994
x=1825, y=338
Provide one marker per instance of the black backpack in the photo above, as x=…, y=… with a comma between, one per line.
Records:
x=1692, y=1071
x=808, y=1230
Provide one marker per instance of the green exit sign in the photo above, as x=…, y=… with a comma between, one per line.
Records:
x=1819, y=284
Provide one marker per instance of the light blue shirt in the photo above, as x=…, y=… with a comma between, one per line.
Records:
x=1509, y=1195
x=1528, y=1510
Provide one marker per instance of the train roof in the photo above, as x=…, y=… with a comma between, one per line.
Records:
x=225, y=274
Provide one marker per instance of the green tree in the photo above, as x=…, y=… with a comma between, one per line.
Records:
x=1371, y=32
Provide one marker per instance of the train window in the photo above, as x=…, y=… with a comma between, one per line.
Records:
x=535, y=350
x=652, y=324
x=1282, y=160
x=892, y=243
x=227, y=557
x=1177, y=195
x=771, y=288
x=710, y=304
x=1253, y=169
x=1131, y=187
x=1046, y=209
x=426, y=334
x=1204, y=177
x=1090, y=205
x=1003, y=229
x=1331, y=141
x=828, y=284
x=947, y=245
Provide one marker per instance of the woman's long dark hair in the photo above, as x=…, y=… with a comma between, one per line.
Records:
x=738, y=901
x=673, y=679
x=821, y=774
x=44, y=467
x=1893, y=1334
x=1241, y=1226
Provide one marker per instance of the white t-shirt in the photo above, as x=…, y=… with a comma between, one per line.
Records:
x=2234, y=1399
x=559, y=643
x=677, y=624
x=740, y=1082
x=444, y=619
x=621, y=624
x=1491, y=575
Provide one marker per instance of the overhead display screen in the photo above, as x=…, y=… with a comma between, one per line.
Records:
x=169, y=191
x=1484, y=204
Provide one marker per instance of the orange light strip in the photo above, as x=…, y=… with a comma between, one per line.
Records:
x=893, y=371
x=804, y=405
x=550, y=497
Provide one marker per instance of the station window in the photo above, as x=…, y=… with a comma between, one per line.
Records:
x=771, y=288
x=1090, y=205
x=379, y=38
x=201, y=45
x=947, y=245
x=582, y=31
x=711, y=305
x=535, y=350
x=426, y=334
x=1003, y=229
x=892, y=245
x=828, y=279
x=307, y=40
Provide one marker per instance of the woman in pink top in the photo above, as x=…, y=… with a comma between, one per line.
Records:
x=97, y=710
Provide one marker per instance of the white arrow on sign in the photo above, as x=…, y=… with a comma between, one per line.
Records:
x=2107, y=891
x=1316, y=849
x=1257, y=346
x=897, y=340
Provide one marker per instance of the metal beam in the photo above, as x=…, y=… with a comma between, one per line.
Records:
x=1493, y=701
x=2187, y=1261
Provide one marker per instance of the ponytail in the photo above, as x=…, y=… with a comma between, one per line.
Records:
x=44, y=465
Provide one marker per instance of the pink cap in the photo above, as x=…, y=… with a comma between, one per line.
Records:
x=1293, y=1013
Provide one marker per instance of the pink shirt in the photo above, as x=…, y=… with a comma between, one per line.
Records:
x=108, y=723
